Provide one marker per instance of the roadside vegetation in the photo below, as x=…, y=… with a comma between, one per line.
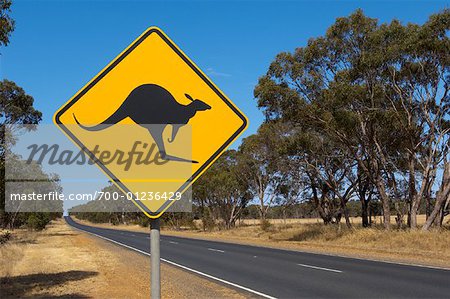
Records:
x=353, y=156
x=357, y=124
x=17, y=113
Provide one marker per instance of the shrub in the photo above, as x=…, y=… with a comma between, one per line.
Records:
x=144, y=221
x=37, y=221
x=266, y=225
x=5, y=236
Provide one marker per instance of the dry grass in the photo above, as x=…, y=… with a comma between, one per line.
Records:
x=10, y=256
x=354, y=220
x=61, y=262
x=422, y=246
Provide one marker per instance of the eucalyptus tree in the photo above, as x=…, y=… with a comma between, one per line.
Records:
x=379, y=91
x=260, y=165
x=324, y=88
x=221, y=191
x=16, y=107
x=415, y=69
x=325, y=170
x=6, y=22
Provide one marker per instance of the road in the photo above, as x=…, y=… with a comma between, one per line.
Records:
x=275, y=273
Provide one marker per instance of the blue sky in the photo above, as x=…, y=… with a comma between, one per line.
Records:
x=58, y=46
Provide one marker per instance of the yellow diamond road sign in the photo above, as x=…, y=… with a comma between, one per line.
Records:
x=151, y=98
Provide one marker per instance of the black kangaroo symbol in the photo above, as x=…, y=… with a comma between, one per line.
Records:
x=153, y=107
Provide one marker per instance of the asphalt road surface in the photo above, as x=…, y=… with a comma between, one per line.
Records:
x=287, y=274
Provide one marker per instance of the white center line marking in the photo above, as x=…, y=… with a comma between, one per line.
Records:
x=218, y=250
x=173, y=242
x=320, y=268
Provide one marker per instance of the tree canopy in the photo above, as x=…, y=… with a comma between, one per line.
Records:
x=374, y=93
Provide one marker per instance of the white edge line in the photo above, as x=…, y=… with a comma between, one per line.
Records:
x=218, y=250
x=183, y=267
x=320, y=268
x=173, y=242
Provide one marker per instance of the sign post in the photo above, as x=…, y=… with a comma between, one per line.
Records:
x=155, y=259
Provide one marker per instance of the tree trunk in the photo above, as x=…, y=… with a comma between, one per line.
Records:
x=413, y=217
x=262, y=208
x=347, y=218
x=345, y=211
x=315, y=197
x=262, y=213
x=363, y=189
x=413, y=200
x=385, y=203
x=365, y=208
x=441, y=198
x=436, y=212
x=364, y=213
x=400, y=215
x=428, y=207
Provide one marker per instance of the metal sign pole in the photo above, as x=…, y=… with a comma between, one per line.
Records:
x=155, y=259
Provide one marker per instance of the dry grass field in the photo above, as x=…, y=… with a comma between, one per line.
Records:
x=354, y=220
x=61, y=262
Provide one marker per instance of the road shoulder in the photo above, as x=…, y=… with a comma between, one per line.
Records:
x=64, y=262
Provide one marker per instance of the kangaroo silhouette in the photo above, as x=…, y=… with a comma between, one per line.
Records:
x=153, y=107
